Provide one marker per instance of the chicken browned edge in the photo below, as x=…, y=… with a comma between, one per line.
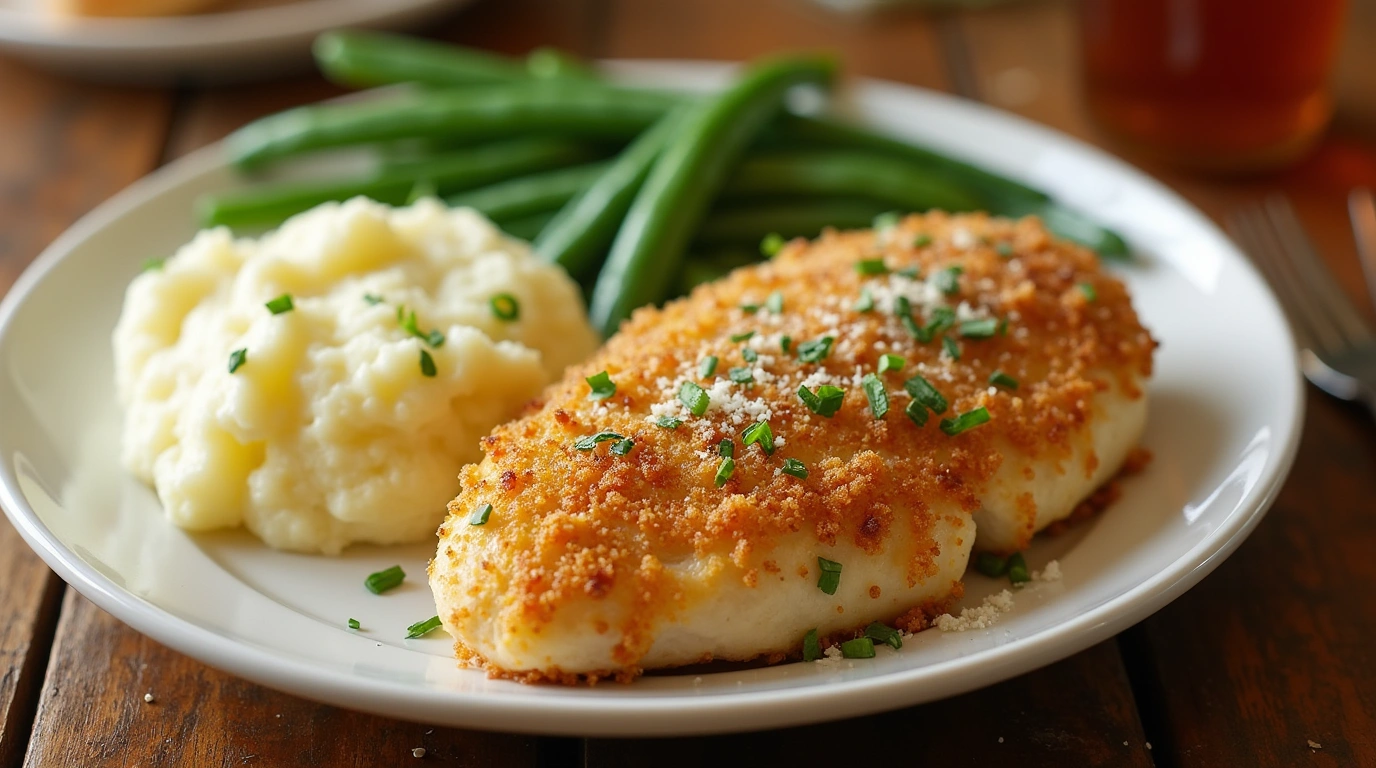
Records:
x=569, y=524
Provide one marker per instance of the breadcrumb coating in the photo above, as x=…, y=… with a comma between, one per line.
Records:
x=633, y=543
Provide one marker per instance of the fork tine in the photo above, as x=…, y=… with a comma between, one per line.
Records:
x=1312, y=270
x=1246, y=224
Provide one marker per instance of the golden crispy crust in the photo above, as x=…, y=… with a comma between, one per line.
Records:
x=585, y=522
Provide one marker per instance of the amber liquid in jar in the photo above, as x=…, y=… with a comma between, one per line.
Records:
x=1221, y=85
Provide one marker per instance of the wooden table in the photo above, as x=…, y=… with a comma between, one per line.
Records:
x=1270, y=661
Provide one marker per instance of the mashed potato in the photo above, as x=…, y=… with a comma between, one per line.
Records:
x=330, y=431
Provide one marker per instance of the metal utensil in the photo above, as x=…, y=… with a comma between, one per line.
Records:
x=1338, y=346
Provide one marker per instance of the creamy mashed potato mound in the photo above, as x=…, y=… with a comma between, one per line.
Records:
x=330, y=433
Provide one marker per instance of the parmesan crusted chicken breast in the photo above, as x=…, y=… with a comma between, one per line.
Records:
x=815, y=443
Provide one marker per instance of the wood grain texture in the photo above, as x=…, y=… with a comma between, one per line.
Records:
x=1078, y=712
x=901, y=45
x=1273, y=650
x=93, y=714
x=66, y=147
x=28, y=611
x=1039, y=723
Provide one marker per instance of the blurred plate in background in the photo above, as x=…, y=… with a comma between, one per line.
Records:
x=255, y=40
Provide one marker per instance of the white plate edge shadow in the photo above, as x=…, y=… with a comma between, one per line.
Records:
x=650, y=716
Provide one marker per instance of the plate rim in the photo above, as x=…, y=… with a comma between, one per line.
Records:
x=247, y=26
x=702, y=713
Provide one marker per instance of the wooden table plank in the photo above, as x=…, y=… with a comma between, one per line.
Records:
x=898, y=46
x=28, y=611
x=93, y=714
x=1273, y=650
x=1040, y=725
x=1078, y=712
x=66, y=148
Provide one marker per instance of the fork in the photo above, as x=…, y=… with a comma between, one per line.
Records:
x=1338, y=347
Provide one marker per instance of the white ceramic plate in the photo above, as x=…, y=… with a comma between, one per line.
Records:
x=255, y=40
x=1226, y=410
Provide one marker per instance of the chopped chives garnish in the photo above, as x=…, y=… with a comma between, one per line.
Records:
x=1001, y=379
x=750, y=309
x=372, y=298
x=743, y=375
x=910, y=325
x=380, y=582
x=883, y=633
x=151, y=264
x=589, y=442
x=480, y=515
x=903, y=309
x=694, y=398
x=859, y=648
x=912, y=273
x=668, y=422
x=427, y=364
x=871, y=267
x=887, y=220
x=1017, y=569
x=826, y=401
x=991, y=565
x=775, y=303
x=795, y=468
x=622, y=447
x=866, y=301
x=707, y=367
x=505, y=307
x=408, y=323
x=1003, y=327
x=829, y=575
x=940, y=319
x=759, y=432
x=600, y=386
x=815, y=351
x=891, y=363
x=982, y=328
x=965, y=421
x=812, y=647
x=353, y=624
x=785, y=342
x=923, y=392
x=739, y=337
x=725, y=470
x=237, y=358
x=280, y=304
x=922, y=241
x=1089, y=292
x=749, y=355
x=726, y=448
x=951, y=347
x=876, y=394
x=948, y=280
x=771, y=244
x=917, y=412
x=422, y=628
x=1004, y=249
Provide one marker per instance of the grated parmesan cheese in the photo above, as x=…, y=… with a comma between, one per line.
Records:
x=1052, y=572
x=982, y=616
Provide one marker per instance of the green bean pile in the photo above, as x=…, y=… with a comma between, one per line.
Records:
x=638, y=194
